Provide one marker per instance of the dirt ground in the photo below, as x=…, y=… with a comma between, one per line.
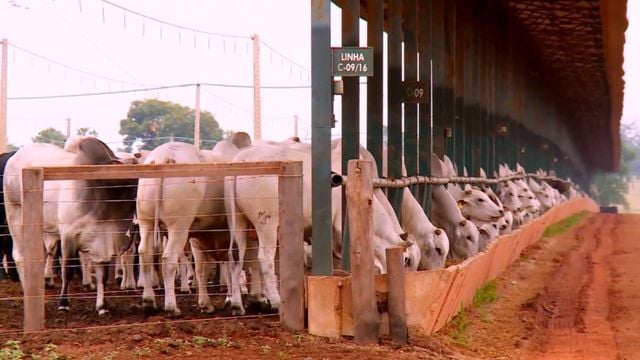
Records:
x=572, y=296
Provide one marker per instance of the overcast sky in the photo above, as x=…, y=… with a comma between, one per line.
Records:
x=133, y=52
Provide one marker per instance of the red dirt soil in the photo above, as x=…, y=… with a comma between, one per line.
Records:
x=572, y=296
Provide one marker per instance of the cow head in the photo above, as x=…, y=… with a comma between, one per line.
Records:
x=508, y=194
x=465, y=243
x=487, y=232
x=434, y=249
x=476, y=205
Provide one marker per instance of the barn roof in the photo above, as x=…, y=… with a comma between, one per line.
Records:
x=579, y=46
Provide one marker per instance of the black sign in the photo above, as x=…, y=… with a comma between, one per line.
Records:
x=352, y=61
x=415, y=92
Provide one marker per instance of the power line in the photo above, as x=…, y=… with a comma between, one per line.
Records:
x=284, y=56
x=43, y=97
x=236, y=86
x=69, y=67
x=186, y=28
x=91, y=42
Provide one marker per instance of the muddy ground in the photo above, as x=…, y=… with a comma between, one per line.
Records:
x=571, y=296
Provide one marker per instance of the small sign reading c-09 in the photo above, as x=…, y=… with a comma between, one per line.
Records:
x=352, y=61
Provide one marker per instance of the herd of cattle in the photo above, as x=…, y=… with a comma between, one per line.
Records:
x=232, y=221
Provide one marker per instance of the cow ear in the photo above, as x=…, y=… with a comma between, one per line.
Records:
x=404, y=236
x=467, y=189
x=461, y=204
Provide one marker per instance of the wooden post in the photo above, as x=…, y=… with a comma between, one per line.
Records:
x=3, y=95
x=68, y=128
x=290, y=237
x=396, y=299
x=196, y=127
x=360, y=207
x=33, y=268
x=257, y=126
x=295, y=125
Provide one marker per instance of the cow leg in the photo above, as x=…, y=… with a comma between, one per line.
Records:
x=119, y=270
x=184, y=274
x=202, y=271
x=257, y=297
x=236, y=254
x=67, y=275
x=266, y=259
x=11, y=265
x=48, y=272
x=147, y=270
x=86, y=267
x=101, y=270
x=128, y=276
x=171, y=254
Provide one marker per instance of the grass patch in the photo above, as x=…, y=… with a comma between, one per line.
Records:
x=460, y=323
x=564, y=225
x=485, y=295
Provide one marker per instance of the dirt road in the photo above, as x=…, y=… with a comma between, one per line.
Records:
x=571, y=296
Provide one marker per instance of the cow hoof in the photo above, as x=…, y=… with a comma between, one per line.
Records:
x=148, y=305
x=176, y=313
x=102, y=312
x=63, y=308
x=237, y=310
x=207, y=309
x=48, y=285
x=88, y=287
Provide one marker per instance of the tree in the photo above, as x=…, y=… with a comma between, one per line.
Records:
x=12, y=147
x=50, y=136
x=611, y=187
x=87, y=131
x=155, y=122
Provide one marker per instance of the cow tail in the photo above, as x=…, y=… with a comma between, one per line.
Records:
x=156, y=215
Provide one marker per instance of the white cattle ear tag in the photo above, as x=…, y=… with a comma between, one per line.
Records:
x=460, y=204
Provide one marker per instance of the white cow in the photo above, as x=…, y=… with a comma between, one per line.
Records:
x=184, y=207
x=474, y=204
x=463, y=234
x=432, y=241
x=253, y=201
x=87, y=216
x=488, y=232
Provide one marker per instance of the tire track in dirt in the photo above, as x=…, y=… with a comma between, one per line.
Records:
x=574, y=309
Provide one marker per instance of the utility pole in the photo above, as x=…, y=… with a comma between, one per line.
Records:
x=68, y=128
x=257, y=126
x=196, y=128
x=3, y=96
x=295, y=125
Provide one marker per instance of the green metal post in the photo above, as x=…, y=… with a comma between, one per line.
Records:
x=321, y=135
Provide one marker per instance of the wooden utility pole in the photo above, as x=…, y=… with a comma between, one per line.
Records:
x=68, y=128
x=196, y=128
x=257, y=127
x=3, y=96
x=295, y=125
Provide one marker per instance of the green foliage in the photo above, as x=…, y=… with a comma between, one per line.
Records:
x=486, y=294
x=87, y=131
x=155, y=122
x=610, y=187
x=11, y=351
x=460, y=323
x=11, y=147
x=50, y=136
x=564, y=225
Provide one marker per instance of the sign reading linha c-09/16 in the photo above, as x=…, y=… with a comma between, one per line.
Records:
x=352, y=61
